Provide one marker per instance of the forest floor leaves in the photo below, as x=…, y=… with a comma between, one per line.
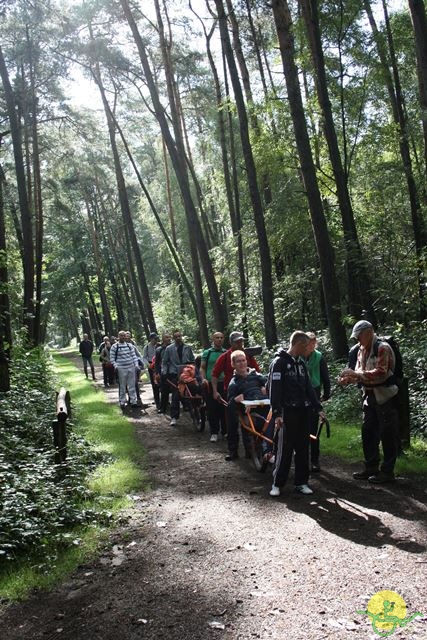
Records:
x=206, y=553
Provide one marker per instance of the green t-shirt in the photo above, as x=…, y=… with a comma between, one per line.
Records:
x=313, y=366
x=209, y=357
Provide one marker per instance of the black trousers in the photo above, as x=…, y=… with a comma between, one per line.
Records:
x=314, y=425
x=155, y=387
x=216, y=411
x=175, y=401
x=293, y=440
x=165, y=390
x=380, y=424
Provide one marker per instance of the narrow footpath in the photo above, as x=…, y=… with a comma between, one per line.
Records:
x=207, y=554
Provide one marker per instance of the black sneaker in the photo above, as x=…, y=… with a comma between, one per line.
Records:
x=364, y=475
x=381, y=478
x=315, y=468
x=231, y=456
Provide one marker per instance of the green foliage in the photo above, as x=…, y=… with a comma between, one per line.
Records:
x=413, y=345
x=39, y=501
x=344, y=404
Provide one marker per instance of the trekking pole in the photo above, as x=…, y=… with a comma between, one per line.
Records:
x=325, y=422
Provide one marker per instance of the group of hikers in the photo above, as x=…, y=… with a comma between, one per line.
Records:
x=296, y=385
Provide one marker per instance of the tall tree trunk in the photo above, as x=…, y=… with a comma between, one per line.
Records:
x=398, y=110
x=264, y=250
x=24, y=206
x=172, y=245
x=234, y=215
x=37, y=193
x=177, y=123
x=108, y=324
x=177, y=113
x=125, y=206
x=178, y=162
x=359, y=285
x=419, y=23
x=256, y=40
x=283, y=21
x=244, y=73
x=95, y=320
x=5, y=328
x=135, y=285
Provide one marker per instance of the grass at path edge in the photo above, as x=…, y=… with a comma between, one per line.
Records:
x=104, y=427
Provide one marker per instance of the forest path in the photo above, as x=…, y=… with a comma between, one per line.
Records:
x=208, y=554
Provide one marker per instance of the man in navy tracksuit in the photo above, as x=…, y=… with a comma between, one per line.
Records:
x=292, y=397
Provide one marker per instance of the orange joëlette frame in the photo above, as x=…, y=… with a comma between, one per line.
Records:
x=251, y=427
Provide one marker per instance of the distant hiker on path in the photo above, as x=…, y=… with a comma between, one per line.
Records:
x=86, y=350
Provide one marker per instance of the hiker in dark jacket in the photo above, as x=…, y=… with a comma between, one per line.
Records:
x=86, y=350
x=292, y=398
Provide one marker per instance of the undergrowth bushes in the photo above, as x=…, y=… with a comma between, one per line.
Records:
x=344, y=404
x=39, y=503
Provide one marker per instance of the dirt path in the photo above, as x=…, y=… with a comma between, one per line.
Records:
x=208, y=554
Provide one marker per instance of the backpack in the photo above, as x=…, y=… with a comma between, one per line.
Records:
x=398, y=367
x=187, y=382
x=188, y=374
x=397, y=376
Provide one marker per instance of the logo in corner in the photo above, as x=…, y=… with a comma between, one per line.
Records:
x=387, y=611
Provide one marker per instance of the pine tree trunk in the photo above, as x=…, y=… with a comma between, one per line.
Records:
x=325, y=252
x=171, y=244
x=125, y=208
x=398, y=110
x=136, y=292
x=264, y=250
x=359, y=286
x=234, y=215
x=37, y=194
x=5, y=328
x=24, y=206
x=419, y=23
x=178, y=162
x=108, y=324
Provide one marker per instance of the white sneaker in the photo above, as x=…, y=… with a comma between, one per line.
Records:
x=304, y=488
x=275, y=491
x=214, y=437
x=173, y=422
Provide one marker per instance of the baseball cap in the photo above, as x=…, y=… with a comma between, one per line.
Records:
x=235, y=336
x=153, y=334
x=359, y=327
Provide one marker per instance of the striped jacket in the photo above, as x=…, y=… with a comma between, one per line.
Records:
x=123, y=355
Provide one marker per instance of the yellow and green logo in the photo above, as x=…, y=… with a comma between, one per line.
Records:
x=387, y=612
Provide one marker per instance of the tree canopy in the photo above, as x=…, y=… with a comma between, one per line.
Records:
x=211, y=165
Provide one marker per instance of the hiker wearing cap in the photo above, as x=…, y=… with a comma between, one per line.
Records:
x=224, y=366
x=148, y=357
x=373, y=371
